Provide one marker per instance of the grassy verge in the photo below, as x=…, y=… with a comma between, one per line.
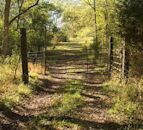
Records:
x=12, y=90
x=127, y=100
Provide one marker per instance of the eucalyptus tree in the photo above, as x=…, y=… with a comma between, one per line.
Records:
x=6, y=27
x=7, y=21
x=92, y=4
x=39, y=21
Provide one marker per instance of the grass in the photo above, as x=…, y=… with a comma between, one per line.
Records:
x=45, y=124
x=74, y=87
x=64, y=105
x=68, y=102
x=12, y=90
x=127, y=102
x=67, y=46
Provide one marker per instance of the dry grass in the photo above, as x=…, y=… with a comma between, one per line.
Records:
x=12, y=89
x=36, y=68
x=127, y=101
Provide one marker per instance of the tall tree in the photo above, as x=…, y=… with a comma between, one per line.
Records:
x=7, y=22
x=92, y=4
x=5, y=48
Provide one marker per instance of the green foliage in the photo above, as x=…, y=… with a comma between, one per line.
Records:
x=7, y=101
x=79, y=19
x=35, y=21
x=24, y=90
x=127, y=105
x=131, y=21
x=7, y=67
x=58, y=37
x=64, y=124
x=0, y=32
x=40, y=20
x=123, y=110
x=9, y=60
x=70, y=100
x=42, y=123
x=67, y=104
x=12, y=97
x=75, y=20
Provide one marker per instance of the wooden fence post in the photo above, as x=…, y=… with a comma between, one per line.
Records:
x=87, y=59
x=45, y=42
x=125, y=62
x=24, y=56
x=110, y=56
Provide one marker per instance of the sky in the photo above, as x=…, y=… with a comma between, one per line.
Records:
x=58, y=20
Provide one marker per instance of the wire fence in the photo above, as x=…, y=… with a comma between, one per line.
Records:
x=125, y=65
x=71, y=62
x=114, y=61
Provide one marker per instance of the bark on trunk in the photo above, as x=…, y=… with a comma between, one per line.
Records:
x=95, y=23
x=5, y=46
x=107, y=22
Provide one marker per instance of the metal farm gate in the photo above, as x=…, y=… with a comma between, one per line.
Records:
x=81, y=64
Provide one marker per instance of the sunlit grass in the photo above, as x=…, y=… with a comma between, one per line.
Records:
x=24, y=89
x=126, y=99
x=68, y=46
x=12, y=90
x=64, y=104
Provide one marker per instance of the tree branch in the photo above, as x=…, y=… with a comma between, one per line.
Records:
x=20, y=4
x=89, y=3
x=23, y=12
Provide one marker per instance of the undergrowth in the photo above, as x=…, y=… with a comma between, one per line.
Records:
x=12, y=90
x=127, y=102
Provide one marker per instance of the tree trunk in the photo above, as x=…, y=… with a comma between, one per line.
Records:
x=95, y=23
x=5, y=46
x=107, y=22
x=7, y=23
